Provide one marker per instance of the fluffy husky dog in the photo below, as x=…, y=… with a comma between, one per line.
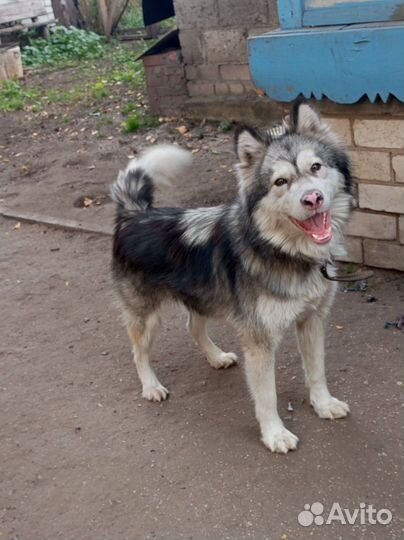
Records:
x=256, y=262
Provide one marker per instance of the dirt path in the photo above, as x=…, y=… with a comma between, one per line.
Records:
x=83, y=457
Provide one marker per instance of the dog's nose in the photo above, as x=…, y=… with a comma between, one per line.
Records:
x=312, y=199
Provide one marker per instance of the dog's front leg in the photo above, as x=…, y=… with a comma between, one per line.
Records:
x=310, y=337
x=260, y=369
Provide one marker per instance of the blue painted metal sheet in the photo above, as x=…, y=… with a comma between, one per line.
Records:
x=340, y=63
x=352, y=12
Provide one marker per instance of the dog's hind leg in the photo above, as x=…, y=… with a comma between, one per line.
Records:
x=215, y=356
x=141, y=335
x=310, y=337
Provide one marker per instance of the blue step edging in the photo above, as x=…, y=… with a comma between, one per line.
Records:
x=342, y=63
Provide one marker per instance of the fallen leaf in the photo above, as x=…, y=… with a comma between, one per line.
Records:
x=87, y=202
x=195, y=151
x=17, y=225
x=338, y=327
x=182, y=129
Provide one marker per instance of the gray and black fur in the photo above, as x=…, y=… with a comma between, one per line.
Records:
x=222, y=261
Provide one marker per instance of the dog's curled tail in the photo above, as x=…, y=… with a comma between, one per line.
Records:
x=134, y=188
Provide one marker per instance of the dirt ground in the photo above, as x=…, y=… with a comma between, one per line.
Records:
x=83, y=457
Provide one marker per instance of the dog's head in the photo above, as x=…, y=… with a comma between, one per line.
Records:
x=296, y=185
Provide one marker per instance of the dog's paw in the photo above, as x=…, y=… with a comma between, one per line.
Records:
x=331, y=409
x=223, y=360
x=156, y=392
x=280, y=440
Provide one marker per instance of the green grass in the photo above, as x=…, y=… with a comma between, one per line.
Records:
x=224, y=126
x=62, y=96
x=132, y=18
x=131, y=124
x=128, y=108
x=93, y=81
x=99, y=90
x=14, y=97
x=65, y=46
x=139, y=120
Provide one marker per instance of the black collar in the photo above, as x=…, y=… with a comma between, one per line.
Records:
x=357, y=276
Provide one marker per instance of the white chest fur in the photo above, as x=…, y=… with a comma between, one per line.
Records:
x=277, y=314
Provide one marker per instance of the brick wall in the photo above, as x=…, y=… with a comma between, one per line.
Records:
x=213, y=36
x=376, y=230
x=166, y=85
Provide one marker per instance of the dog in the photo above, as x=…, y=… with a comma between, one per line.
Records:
x=256, y=262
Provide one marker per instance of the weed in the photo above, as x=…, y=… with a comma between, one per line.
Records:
x=128, y=108
x=99, y=90
x=64, y=46
x=224, y=126
x=150, y=121
x=58, y=95
x=131, y=124
x=126, y=70
x=92, y=81
x=132, y=18
x=14, y=97
x=137, y=121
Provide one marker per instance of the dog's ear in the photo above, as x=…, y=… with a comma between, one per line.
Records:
x=303, y=119
x=250, y=146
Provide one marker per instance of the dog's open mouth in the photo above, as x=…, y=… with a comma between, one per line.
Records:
x=318, y=227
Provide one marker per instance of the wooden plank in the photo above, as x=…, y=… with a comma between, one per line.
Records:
x=341, y=63
x=10, y=63
x=21, y=27
x=354, y=12
x=59, y=223
x=290, y=13
x=21, y=9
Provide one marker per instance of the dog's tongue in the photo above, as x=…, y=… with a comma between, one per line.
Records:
x=318, y=227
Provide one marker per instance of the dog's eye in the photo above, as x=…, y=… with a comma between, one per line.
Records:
x=280, y=182
x=315, y=167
